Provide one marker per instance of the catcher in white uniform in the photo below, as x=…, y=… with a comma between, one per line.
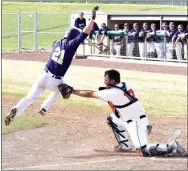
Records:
x=128, y=116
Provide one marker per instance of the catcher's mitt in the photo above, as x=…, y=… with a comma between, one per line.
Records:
x=65, y=90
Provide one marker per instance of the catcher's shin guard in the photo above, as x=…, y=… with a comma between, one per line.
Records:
x=157, y=150
x=119, y=132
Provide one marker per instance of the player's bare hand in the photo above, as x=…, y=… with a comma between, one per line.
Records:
x=93, y=15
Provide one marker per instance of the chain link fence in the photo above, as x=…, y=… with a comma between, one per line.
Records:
x=32, y=31
x=9, y=32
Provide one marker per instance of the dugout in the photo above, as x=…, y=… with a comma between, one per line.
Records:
x=131, y=17
x=140, y=17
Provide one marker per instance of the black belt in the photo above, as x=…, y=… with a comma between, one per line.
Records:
x=142, y=116
x=125, y=105
x=54, y=76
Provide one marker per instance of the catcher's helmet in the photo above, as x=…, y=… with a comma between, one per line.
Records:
x=72, y=33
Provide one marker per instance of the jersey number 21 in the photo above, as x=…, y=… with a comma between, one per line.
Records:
x=58, y=55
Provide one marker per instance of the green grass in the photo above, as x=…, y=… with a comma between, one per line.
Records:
x=161, y=94
x=23, y=122
x=55, y=22
x=67, y=7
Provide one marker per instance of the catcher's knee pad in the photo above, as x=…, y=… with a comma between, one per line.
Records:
x=119, y=133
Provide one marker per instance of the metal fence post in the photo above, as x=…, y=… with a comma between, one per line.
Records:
x=19, y=33
x=93, y=45
x=145, y=46
x=91, y=40
x=109, y=45
x=164, y=49
x=161, y=21
x=83, y=49
x=36, y=32
x=126, y=42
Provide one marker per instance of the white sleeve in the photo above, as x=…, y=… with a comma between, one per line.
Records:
x=104, y=95
x=128, y=86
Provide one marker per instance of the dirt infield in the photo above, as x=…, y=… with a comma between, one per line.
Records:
x=81, y=139
x=102, y=64
x=78, y=138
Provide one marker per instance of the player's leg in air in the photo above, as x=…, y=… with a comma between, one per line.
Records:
x=37, y=88
x=63, y=51
x=45, y=81
x=48, y=102
x=120, y=133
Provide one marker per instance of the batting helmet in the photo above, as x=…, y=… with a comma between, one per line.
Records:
x=164, y=24
x=116, y=25
x=135, y=25
x=180, y=26
x=72, y=33
x=171, y=24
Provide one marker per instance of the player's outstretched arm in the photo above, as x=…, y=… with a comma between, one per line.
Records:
x=85, y=93
x=89, y=27
x=67, y=90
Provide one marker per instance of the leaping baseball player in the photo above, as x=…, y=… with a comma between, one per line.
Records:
x=127, y=114
x=60, y=59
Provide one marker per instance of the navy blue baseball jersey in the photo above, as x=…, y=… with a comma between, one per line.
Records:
x=133, y=35
x=80, y=23
x=152, y=37
x=170, y=34
x=186, y=31
x=105, y=31
x=142, y=39
x=177, y=34
x=95, y=27
x=62, y=54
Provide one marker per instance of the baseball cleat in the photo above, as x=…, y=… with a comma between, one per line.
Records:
x=179, y=149
x=119, y=148
x=9, y=118
x=42, y=111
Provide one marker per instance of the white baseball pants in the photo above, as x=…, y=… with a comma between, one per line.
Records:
x=185, y=50
x=151, y=47
x=178, y=50
x=130, y=48
x=138, y=132
x=117, y=49
x=160, y=50
x=45, y=81
x=169, y=50
x=141, y=49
